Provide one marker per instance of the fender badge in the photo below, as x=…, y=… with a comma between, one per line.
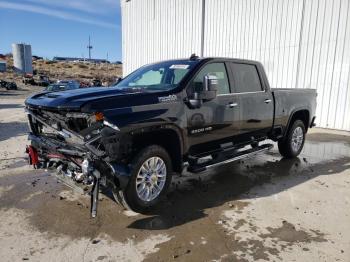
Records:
x=168, y=98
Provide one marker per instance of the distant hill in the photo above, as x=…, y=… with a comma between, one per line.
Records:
x=58, y=70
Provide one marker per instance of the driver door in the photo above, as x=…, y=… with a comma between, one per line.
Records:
x=214, y=123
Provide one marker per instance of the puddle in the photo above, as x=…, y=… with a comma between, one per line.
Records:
x=188, y=213
x=318, y=152
x=327, y=138
x=288, y=233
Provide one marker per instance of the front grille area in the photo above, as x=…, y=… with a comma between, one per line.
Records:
x=62, y=120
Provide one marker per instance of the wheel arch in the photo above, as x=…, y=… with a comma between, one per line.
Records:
x=168, y=136
x=302, y=114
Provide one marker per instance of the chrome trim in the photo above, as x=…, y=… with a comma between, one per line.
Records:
x=151, y=179
x=256, y=92
x=42, y=121
x=106, y=123
x=230, y=94
x=85, y=167
x=268, y=147
x=232, y=105
x=64, y=133
x=297, y=139
x=78, y=115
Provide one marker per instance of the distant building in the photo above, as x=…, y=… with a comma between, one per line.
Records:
x=2, y=66
x=22, y=58
x=35, y=57
x=79, y=59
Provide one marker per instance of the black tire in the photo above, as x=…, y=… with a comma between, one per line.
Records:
x=129, y=197
x=286, y=145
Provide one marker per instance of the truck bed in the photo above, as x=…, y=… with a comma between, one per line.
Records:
x=289, y=100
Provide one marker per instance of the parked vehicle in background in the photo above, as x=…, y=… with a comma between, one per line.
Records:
x=41, y=80
x=11, y=86
x=28, y=79
x=35, y=57
x=71, y=83
x=93, y=83
x=195, y=113
x=38, y=79
x=96, y=82
x=84, y=84
x=8, y=85
x=62, y=85
x=3, y=83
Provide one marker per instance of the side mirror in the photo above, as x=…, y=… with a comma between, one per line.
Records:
x=207, y=91
x=210, y=87
x=195, y=102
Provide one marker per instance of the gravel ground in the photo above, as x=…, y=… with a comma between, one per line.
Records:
x=262, y=209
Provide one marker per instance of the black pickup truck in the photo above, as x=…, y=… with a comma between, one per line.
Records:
x=165, y=117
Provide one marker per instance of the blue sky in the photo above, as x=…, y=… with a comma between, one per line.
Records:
x=62, y=27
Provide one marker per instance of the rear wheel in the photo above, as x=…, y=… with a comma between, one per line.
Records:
x=292, y=144
x=151, y=173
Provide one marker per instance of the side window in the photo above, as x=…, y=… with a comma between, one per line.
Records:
x=246, y=78
x=217, y=69
x=148, y=78
x=178, y=75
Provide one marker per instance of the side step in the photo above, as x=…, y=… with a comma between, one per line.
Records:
x=225, y=158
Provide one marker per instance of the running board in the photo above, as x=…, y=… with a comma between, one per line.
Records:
x=220, y=161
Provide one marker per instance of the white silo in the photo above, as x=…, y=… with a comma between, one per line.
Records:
x=22, y=58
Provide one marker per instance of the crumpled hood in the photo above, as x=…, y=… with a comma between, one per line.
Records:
x=75, y=99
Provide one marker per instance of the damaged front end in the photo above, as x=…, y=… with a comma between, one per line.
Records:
x=83, y=148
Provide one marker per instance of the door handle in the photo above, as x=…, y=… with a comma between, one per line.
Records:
x=232, y=105
x=266, y=101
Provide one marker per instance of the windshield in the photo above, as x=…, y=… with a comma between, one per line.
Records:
x=157, y=77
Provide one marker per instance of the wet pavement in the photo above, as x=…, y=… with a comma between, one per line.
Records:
x=265, y=208
x=262, y=209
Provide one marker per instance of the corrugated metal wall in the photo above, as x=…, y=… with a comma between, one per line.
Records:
x=155, y=30
x=301, y=43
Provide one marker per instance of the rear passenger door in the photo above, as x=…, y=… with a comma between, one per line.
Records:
x=255, y=104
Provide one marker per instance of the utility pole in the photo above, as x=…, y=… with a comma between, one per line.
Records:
x=107, y=70
x=89, y=47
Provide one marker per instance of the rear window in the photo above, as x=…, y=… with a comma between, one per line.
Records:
x=246, y=78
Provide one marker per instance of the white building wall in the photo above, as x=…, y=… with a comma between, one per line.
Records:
x=301, y=43
x=155, y=30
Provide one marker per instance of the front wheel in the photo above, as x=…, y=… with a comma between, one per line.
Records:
x=151, y=172
x=292, y=144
